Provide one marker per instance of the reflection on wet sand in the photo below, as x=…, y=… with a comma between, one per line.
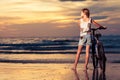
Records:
x=77, y=76
x=97, y=75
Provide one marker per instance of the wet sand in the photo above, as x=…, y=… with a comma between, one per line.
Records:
x=59, y=68
x=11, y=71
x=51, y=58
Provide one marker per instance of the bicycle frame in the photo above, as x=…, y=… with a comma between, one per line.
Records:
x=93, y=47
x=98, y=54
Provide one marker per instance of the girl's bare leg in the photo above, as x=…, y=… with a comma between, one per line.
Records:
x=87, y=56
x=77, y=56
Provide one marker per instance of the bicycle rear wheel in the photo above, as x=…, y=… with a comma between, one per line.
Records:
x=94, y=56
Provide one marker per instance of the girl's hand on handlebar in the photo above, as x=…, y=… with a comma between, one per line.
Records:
x=102, y=27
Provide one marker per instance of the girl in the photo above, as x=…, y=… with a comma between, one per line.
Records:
x=85, y=36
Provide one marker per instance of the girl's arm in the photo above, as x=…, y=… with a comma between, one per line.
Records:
x=98, y=25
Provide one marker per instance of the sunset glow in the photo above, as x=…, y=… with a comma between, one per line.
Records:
x=17, y=16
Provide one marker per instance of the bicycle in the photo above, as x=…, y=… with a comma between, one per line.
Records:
x=98, y=53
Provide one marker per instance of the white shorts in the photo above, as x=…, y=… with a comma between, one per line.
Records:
x=85, y=40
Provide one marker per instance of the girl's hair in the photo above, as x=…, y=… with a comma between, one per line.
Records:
x=86, y=11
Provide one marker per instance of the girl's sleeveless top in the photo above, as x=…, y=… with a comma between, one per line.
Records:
x=86, y=27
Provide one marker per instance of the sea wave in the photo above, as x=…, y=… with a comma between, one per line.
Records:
x=47, y=45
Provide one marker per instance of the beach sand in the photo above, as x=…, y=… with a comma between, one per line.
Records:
x=55, y=71
x=10, y=71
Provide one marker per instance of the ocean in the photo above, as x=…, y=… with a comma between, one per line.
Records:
x=52, y=45
x=52, y=49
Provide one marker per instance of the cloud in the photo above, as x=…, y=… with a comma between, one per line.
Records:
x=5, y=28
x=41, y=29
x=79, y=0
x=99, y=17
x=72, y=0
x=8, y=18
x=54, y=17
x=36, y=5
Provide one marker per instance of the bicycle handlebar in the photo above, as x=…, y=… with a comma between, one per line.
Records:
x=94, y=29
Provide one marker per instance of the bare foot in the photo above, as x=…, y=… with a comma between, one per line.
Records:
x=86, y=68
x=73, y=68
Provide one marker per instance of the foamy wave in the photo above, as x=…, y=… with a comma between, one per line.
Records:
x=53, y=45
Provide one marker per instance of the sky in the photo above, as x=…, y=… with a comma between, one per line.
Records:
x=37, y=18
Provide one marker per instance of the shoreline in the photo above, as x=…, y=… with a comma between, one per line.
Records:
x=51, y=58
x=58, y=69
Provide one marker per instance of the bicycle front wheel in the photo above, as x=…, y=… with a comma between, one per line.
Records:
x=101, y=56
